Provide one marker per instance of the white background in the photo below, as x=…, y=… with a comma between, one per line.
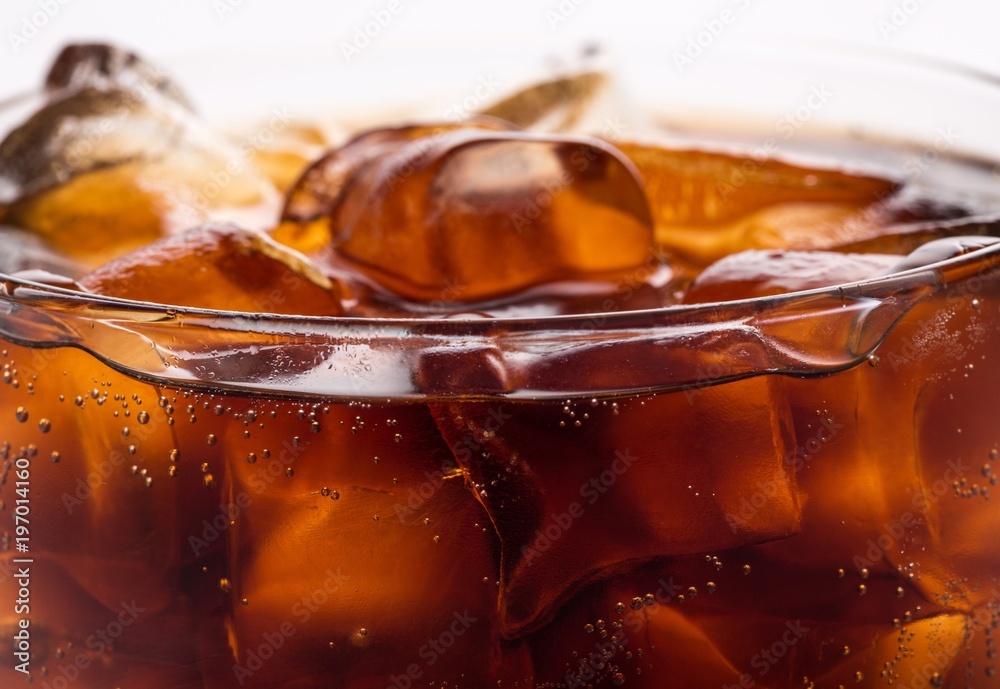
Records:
x=960, y=31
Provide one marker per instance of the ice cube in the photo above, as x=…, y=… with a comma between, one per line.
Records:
x=855, y=432
x=942, y=249
x=555, y=105
x=321, y=185
x=628, y=632
x=287, y=151
x=792, y=651
x=763, y=273
x=659, y=626
x=318, y=189
x=577, y=491
x=359, y=545
x=478, y=215
x=916, y=654
x=975, y=665
x=112, y=165
x=763, y=582
x=936, y=382
x=75, y=640
x=98, y=447
x=100, y=65
x=707, y=204
x=116, y=496
x=221, y=267
x=954, y=500
x=851, y=475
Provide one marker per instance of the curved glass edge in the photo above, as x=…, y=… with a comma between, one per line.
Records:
x=807, y=333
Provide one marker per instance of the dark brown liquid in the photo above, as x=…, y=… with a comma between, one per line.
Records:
x=774, y=531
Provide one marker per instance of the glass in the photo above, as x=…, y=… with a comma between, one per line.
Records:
x=779, y=491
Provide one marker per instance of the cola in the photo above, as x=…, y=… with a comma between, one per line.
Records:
x=483, y=406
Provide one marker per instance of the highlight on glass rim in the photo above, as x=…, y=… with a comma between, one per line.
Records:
x=511, y=398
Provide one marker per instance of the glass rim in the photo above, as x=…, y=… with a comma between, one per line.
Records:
x=839, y=50
x=824, y=50
x=862, y=313
x=10, y=284
x=686, y=348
